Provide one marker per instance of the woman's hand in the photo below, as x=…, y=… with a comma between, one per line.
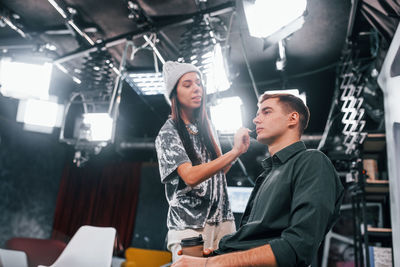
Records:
x=194, y=175
x=206, y=252
x=241, y=141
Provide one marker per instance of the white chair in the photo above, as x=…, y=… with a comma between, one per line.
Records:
x=90, y=246
x=117, y=261
x=13, y=258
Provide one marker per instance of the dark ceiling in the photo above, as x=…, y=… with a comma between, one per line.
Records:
x=312, y=52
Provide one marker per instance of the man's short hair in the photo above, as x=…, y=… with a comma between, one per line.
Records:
x=291, y=103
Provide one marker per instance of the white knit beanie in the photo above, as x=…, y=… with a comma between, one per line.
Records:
x=172, y=72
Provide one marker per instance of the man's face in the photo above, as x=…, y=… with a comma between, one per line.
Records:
x=271, y=121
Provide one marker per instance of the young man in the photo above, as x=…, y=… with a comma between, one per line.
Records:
x=295, y=201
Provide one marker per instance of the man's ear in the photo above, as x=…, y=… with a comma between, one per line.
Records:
x=294, y=118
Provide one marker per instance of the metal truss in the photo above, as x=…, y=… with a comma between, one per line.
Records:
x=351, y=100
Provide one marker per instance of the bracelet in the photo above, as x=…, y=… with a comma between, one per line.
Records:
x=205, y=264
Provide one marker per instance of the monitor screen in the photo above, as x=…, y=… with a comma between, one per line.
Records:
x=238, y=197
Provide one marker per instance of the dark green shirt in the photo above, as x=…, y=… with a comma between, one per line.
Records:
x=294, y=203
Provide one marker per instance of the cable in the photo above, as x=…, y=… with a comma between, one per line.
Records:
x=228, y=32
x=241, y=165
x=253, y=82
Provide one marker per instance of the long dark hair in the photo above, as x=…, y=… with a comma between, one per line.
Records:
x=206, y=137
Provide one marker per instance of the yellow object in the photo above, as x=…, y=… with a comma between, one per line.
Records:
x=139, y=257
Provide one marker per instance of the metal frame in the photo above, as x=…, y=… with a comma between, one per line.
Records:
x=157, y=26
x=390, y=88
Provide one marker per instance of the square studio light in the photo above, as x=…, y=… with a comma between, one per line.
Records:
x=40, y=115
x=223, y=123
x=96, y=127
x=23, y=80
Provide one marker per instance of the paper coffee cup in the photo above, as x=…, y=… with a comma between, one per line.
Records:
x=192, y=246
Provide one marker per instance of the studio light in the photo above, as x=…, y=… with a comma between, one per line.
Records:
x=23, y=80
x=268, y=17
x=294, y=92
x=96, y=127
x=40, y=115
x=217, y=78
x=227, y=115
x=151, y=83
x=199, y=46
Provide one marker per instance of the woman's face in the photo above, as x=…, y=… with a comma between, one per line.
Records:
x=190, y=91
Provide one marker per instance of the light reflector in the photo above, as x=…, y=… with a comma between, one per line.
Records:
x=23, y=80
x=227, y=115
x=266, y=17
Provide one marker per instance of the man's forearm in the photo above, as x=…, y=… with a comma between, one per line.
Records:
x=260, y=256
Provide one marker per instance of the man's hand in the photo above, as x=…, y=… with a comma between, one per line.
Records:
x=259, y=256
x=188, y=261
x=192, y=261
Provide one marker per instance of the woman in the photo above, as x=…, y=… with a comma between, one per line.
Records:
x=191, y=165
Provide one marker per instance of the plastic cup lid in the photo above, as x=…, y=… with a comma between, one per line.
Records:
x=192, y=241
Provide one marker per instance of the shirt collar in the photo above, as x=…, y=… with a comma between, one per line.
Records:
x=284, y=154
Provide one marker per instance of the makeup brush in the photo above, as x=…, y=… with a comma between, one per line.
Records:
x=253, y=133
